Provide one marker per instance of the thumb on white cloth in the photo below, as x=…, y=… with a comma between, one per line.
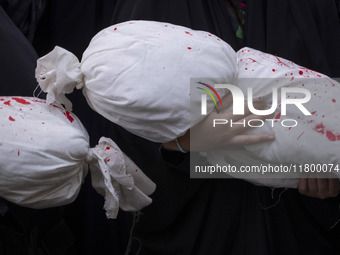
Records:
x=118, y=179
x=58, y=73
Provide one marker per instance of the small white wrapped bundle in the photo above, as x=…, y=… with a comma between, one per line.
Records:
x=137, y=75
x=44, y=157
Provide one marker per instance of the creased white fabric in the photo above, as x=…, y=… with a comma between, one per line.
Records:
x=44, y=158
x=116, y=177
x=58, y=73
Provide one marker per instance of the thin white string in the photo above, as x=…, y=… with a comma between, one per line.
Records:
x=277, y=202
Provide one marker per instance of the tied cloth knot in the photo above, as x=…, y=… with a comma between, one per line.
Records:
x=118, y=179
x=58, y=73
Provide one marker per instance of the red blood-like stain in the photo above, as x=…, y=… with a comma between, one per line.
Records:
x=115, y=29
x=289, y=128
x=136, y=170
x=189, y=48
x=209, y=34
x=11, y=118
x=40, y=101
x=69, y=117
x=292, y=78
x=253, y=60
x=55, y=106
x=313, y=112
x=21, y=100
x=42, y=122
x=188, y=33
x=277, y=117
x=107, y=148
x=300, y=136
x=279, y=62
x=107, y=160
x=18, y=152
x=2, y=99
x=331, y=136
x=273, y=70
x=319, y=75
x=246, y=68
x=310, y=121
x=8, y=102
x=303, y=85
x=333, y=100
x=320, y=128
x=300, y=72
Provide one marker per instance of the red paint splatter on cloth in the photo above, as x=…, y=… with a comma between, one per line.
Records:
x=69, y=117
x=11, y=118
x=8, y=103
x=277, y=117
x=21, y=100
x=330, y=135
x=39, y=101
x=320, y=128
x=300, y=136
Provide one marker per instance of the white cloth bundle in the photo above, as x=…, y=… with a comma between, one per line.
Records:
x=314, y=141
x=44, y=157
x=137, y=74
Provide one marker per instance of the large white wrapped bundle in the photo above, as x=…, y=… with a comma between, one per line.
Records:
x=44, y=157
x=314, y=141
x=137, y=74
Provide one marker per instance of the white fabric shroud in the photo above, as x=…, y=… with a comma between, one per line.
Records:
x=45, y=154
x=137, y=74
x=314, y=141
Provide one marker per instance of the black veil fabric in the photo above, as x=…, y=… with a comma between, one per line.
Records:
x=305, y=31
x=18, y=60
x=24, y=14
